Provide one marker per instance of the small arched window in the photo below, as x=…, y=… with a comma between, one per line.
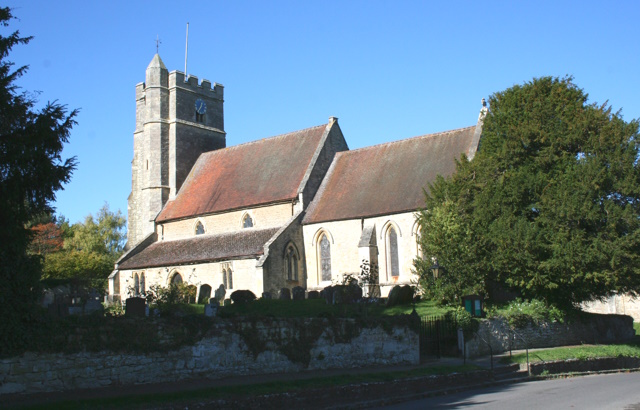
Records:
x=136, y=284
x=325, y=258
x=393, y=263
x=176, y=279
x=227, y=276
x=247, y=222
x=291, y=262
x=142, y=283
x=199, y=228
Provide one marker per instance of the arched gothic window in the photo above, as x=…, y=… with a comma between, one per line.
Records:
x=142, y=283
x=176, y=279
x=227, y=276
x=247, y=222
x=199, y=228
x=393, y=263
x=325, y=258
x=418, y=245
x=136, y=284
x=291, y=262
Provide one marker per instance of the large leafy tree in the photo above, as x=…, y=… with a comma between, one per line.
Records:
x=91, y=248
x=31, y=171
x=548, y=208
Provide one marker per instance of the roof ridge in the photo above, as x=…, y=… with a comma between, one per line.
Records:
x=265, y=139
x=223, y=234
x=434, y=134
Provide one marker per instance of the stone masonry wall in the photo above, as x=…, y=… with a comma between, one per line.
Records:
x=592, y=329
x=223, y=353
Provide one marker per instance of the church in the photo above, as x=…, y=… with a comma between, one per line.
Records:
x=298, y=209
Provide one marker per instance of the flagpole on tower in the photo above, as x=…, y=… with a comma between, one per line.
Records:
x=186, y=53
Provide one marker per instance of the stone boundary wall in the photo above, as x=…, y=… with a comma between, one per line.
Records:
x=591, y=329
x=222, y=353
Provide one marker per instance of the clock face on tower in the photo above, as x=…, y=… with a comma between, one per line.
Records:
x=201, y=106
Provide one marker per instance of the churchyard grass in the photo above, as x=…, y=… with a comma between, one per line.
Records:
x=319, y=308
x=182, y=398
x=578, y=352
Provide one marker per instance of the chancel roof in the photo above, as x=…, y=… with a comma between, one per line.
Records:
x=387, y=178
x=261, y=172
x=200, y=249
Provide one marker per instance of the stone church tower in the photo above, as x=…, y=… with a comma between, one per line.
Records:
x=177, y=119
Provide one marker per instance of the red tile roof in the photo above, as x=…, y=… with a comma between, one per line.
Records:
x=387, y=178
x=200, y=249
x=260, y=172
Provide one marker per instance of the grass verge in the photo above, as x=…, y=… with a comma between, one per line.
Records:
x=580, y=352
x=229, y=392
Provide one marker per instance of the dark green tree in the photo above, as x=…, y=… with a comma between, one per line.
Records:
x=550, y=205
x=31, y=171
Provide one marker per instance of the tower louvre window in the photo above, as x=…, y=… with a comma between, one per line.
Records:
x=199, y=117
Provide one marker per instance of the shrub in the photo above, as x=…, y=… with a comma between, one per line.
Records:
x=519, y=313
x=400, y=295
x=242, y=296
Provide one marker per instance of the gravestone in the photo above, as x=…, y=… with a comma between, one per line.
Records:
x=314, y=294
x=211, y=309
x=298, y=293
x=219, y=294
x=59, y=308
x=285, y=294
x=135, y=307
x=267, y=295
x=48, y=298
x=93, y=303
x=327, y=294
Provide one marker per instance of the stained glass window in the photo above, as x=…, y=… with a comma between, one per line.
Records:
x=325, y=258
x=142, y=284
x=247, y=222
x=199, y=228
x=393, y=252
x=177, y=279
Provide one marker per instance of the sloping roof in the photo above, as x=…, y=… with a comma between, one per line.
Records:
x=201, y=248
x=260, y=172
x=387, y=178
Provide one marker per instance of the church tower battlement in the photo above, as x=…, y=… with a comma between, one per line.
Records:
x=177, y=119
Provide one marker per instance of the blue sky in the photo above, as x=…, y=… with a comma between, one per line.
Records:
x=387, y=69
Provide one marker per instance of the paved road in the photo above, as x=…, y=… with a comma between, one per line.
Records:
x=619, y=391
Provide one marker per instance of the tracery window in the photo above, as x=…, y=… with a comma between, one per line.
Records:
x=227, y=276
x=199, y=228
x=393, y=263
x=247, y=222
x=325, y=258
x=291, y=262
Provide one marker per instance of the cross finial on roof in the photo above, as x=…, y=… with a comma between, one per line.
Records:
x=158, y=42
x=484, y=103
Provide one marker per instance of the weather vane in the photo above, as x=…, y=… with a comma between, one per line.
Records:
x=158, y=42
